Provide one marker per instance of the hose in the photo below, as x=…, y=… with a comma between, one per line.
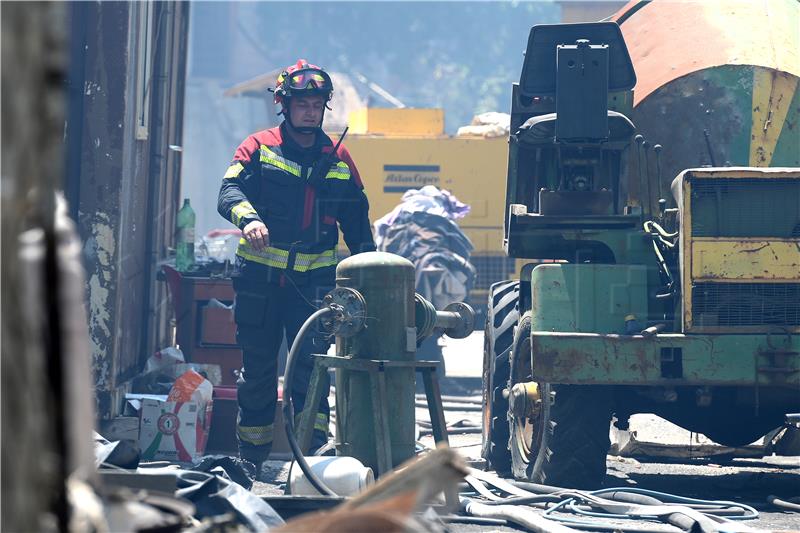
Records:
x=527, y=518
x=453, y=399
x=453, y=431
x=653, y=227
x=783, y=504
x=288, y=404
x=452, y=406
x=638, y=503
x=473, y=520
x=688, y=515
x=536, y=487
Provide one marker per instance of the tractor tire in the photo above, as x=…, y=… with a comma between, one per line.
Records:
x=524, y=431
x=561, y=439
x=575, y=441
x=502, y=314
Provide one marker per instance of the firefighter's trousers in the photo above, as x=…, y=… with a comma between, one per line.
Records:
x=264, y=311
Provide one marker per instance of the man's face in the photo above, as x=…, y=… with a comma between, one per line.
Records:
x=306, y=111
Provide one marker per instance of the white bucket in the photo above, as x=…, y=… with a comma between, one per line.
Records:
x=346, y=476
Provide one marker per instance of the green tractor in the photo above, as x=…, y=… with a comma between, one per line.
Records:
x=687, y=307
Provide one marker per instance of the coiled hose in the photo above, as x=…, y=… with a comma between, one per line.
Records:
x=288, y=404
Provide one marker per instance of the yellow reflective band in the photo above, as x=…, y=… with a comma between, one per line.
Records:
x=270, y=256
x=320, y=423
x=271, y=158
x=340, y=172
x=256, y=435
x=241, y=210
x=306, y=262
x=234, y=171
x=277, y=258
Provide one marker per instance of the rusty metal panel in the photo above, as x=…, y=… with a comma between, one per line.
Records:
x=741, y=260
x=745, y=260
x=668, y=40
x=724, y=71
x=666, y=359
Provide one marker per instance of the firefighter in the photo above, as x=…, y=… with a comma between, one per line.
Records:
x=287, y=190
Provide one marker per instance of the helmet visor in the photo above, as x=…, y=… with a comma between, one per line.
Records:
x=309, y=79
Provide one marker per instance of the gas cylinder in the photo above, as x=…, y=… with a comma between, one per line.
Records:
x=386, y=282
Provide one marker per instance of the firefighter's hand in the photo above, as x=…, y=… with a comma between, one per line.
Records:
x=256, y=234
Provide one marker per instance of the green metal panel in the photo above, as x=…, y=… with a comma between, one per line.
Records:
x=787, y=150
x=387, y=283
x=742, y=360
x=588, y=297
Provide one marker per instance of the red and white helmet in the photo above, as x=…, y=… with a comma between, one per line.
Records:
x=302, y=78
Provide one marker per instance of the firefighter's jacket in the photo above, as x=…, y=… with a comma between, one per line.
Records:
x=274, y=180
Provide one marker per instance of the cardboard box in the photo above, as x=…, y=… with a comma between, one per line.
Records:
x=174, y=431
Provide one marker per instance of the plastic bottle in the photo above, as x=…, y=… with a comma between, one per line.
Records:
x=184, y=248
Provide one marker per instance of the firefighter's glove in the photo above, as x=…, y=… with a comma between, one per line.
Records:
x=256, y=234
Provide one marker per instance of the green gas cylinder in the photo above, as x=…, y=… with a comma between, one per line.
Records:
x=184, y=245
x=386, y=282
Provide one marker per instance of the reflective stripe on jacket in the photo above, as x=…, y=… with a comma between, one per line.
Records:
x=268, y=181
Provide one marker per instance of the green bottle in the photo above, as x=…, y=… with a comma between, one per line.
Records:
x=184, y=248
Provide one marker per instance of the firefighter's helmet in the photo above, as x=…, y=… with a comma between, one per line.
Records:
x=302, y=78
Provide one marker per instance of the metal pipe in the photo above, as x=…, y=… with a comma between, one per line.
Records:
x=657, y=150
x=639, y=139
x=447, y=320
x=646, y=149
x=456, y=321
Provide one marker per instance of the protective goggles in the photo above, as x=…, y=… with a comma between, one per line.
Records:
x=309, y=79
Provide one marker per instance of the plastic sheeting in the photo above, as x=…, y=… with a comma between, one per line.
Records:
x=422, y=229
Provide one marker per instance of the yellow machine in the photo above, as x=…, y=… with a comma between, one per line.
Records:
x=401, y=149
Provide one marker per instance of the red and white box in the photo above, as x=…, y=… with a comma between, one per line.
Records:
x=175, y=431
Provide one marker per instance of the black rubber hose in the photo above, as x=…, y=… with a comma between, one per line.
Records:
x=288, y=405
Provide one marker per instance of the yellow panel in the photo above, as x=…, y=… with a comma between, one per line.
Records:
x=714, y=263
x=397, y=122
x=745, y=260
x=772, y=93
x=685, y=238
x=473, y=169
x=738, y=173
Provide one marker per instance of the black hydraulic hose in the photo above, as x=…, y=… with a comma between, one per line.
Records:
x=288, y=405
x=630, y=12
